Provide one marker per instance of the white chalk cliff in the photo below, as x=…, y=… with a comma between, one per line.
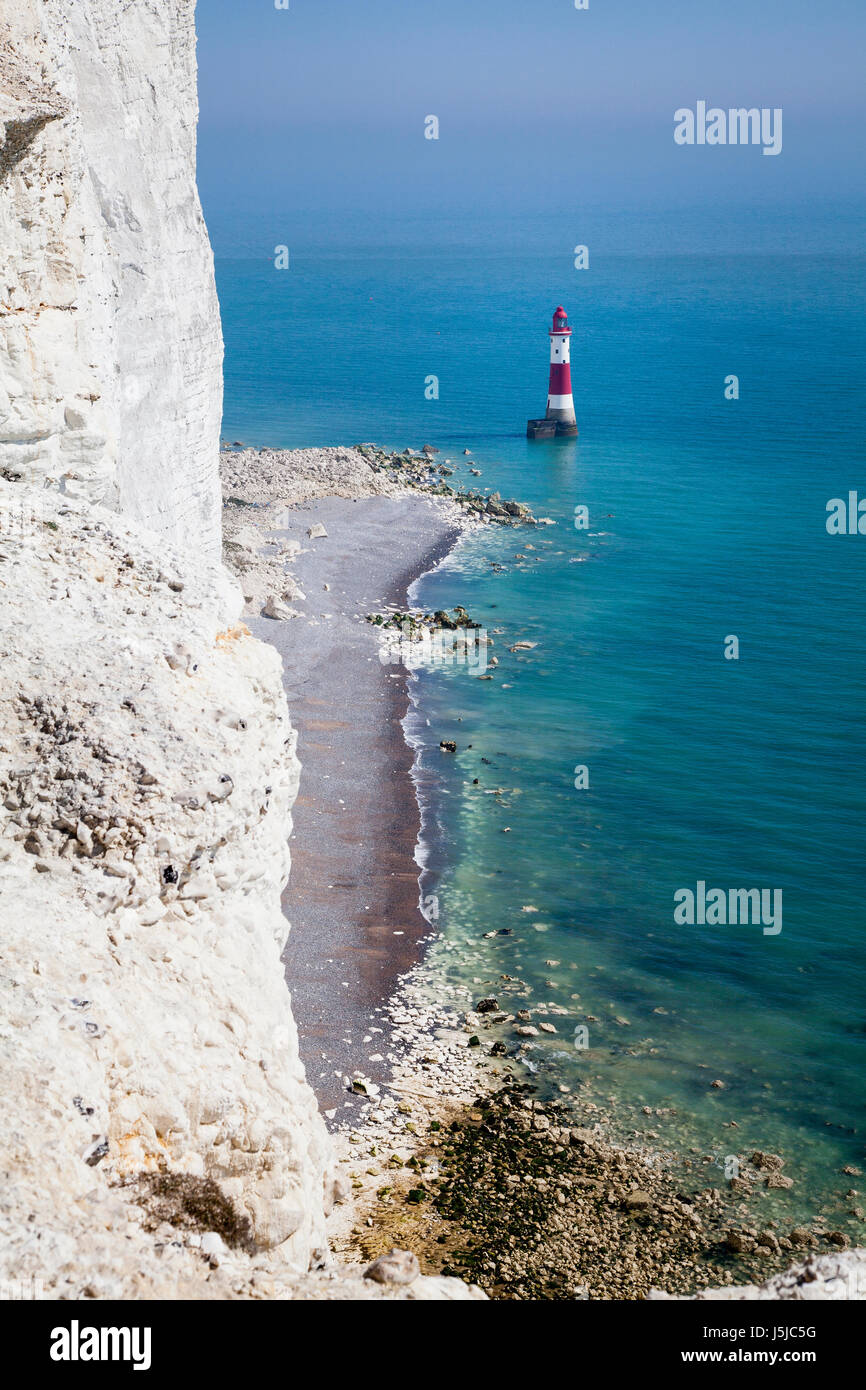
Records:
x=147, y=770
x=110, y=343
x=158, y=1137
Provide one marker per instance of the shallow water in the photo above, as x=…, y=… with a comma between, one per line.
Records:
x=707, y=519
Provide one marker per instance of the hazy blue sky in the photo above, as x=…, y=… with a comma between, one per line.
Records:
x=320, y=108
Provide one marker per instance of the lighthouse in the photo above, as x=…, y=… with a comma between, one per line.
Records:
x=559, y=418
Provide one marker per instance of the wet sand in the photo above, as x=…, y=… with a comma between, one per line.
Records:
x=352, y=897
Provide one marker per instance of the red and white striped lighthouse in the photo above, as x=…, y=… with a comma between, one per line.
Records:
x=560, y=418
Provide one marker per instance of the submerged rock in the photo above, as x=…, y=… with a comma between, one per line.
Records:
x=767, y=1161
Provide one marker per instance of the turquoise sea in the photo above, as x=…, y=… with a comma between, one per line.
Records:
x=707, y=520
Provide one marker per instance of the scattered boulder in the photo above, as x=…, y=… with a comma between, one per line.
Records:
x=767, y=1162
x=638, y=1201
x=739, y=1242
x=213, y=1247
x=275, y=608
x=337, y=1191
x=768, y=1241
x=363, y=1086
x=803, y=1238
x=292, y=591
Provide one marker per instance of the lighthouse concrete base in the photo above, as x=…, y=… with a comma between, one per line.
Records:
x=548, y=429
x=541, y=429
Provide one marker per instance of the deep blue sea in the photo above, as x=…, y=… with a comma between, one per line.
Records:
x=707, y=520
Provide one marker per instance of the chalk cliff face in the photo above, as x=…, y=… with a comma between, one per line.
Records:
x=147, y=763
x=110, y=344
x=147, y=771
